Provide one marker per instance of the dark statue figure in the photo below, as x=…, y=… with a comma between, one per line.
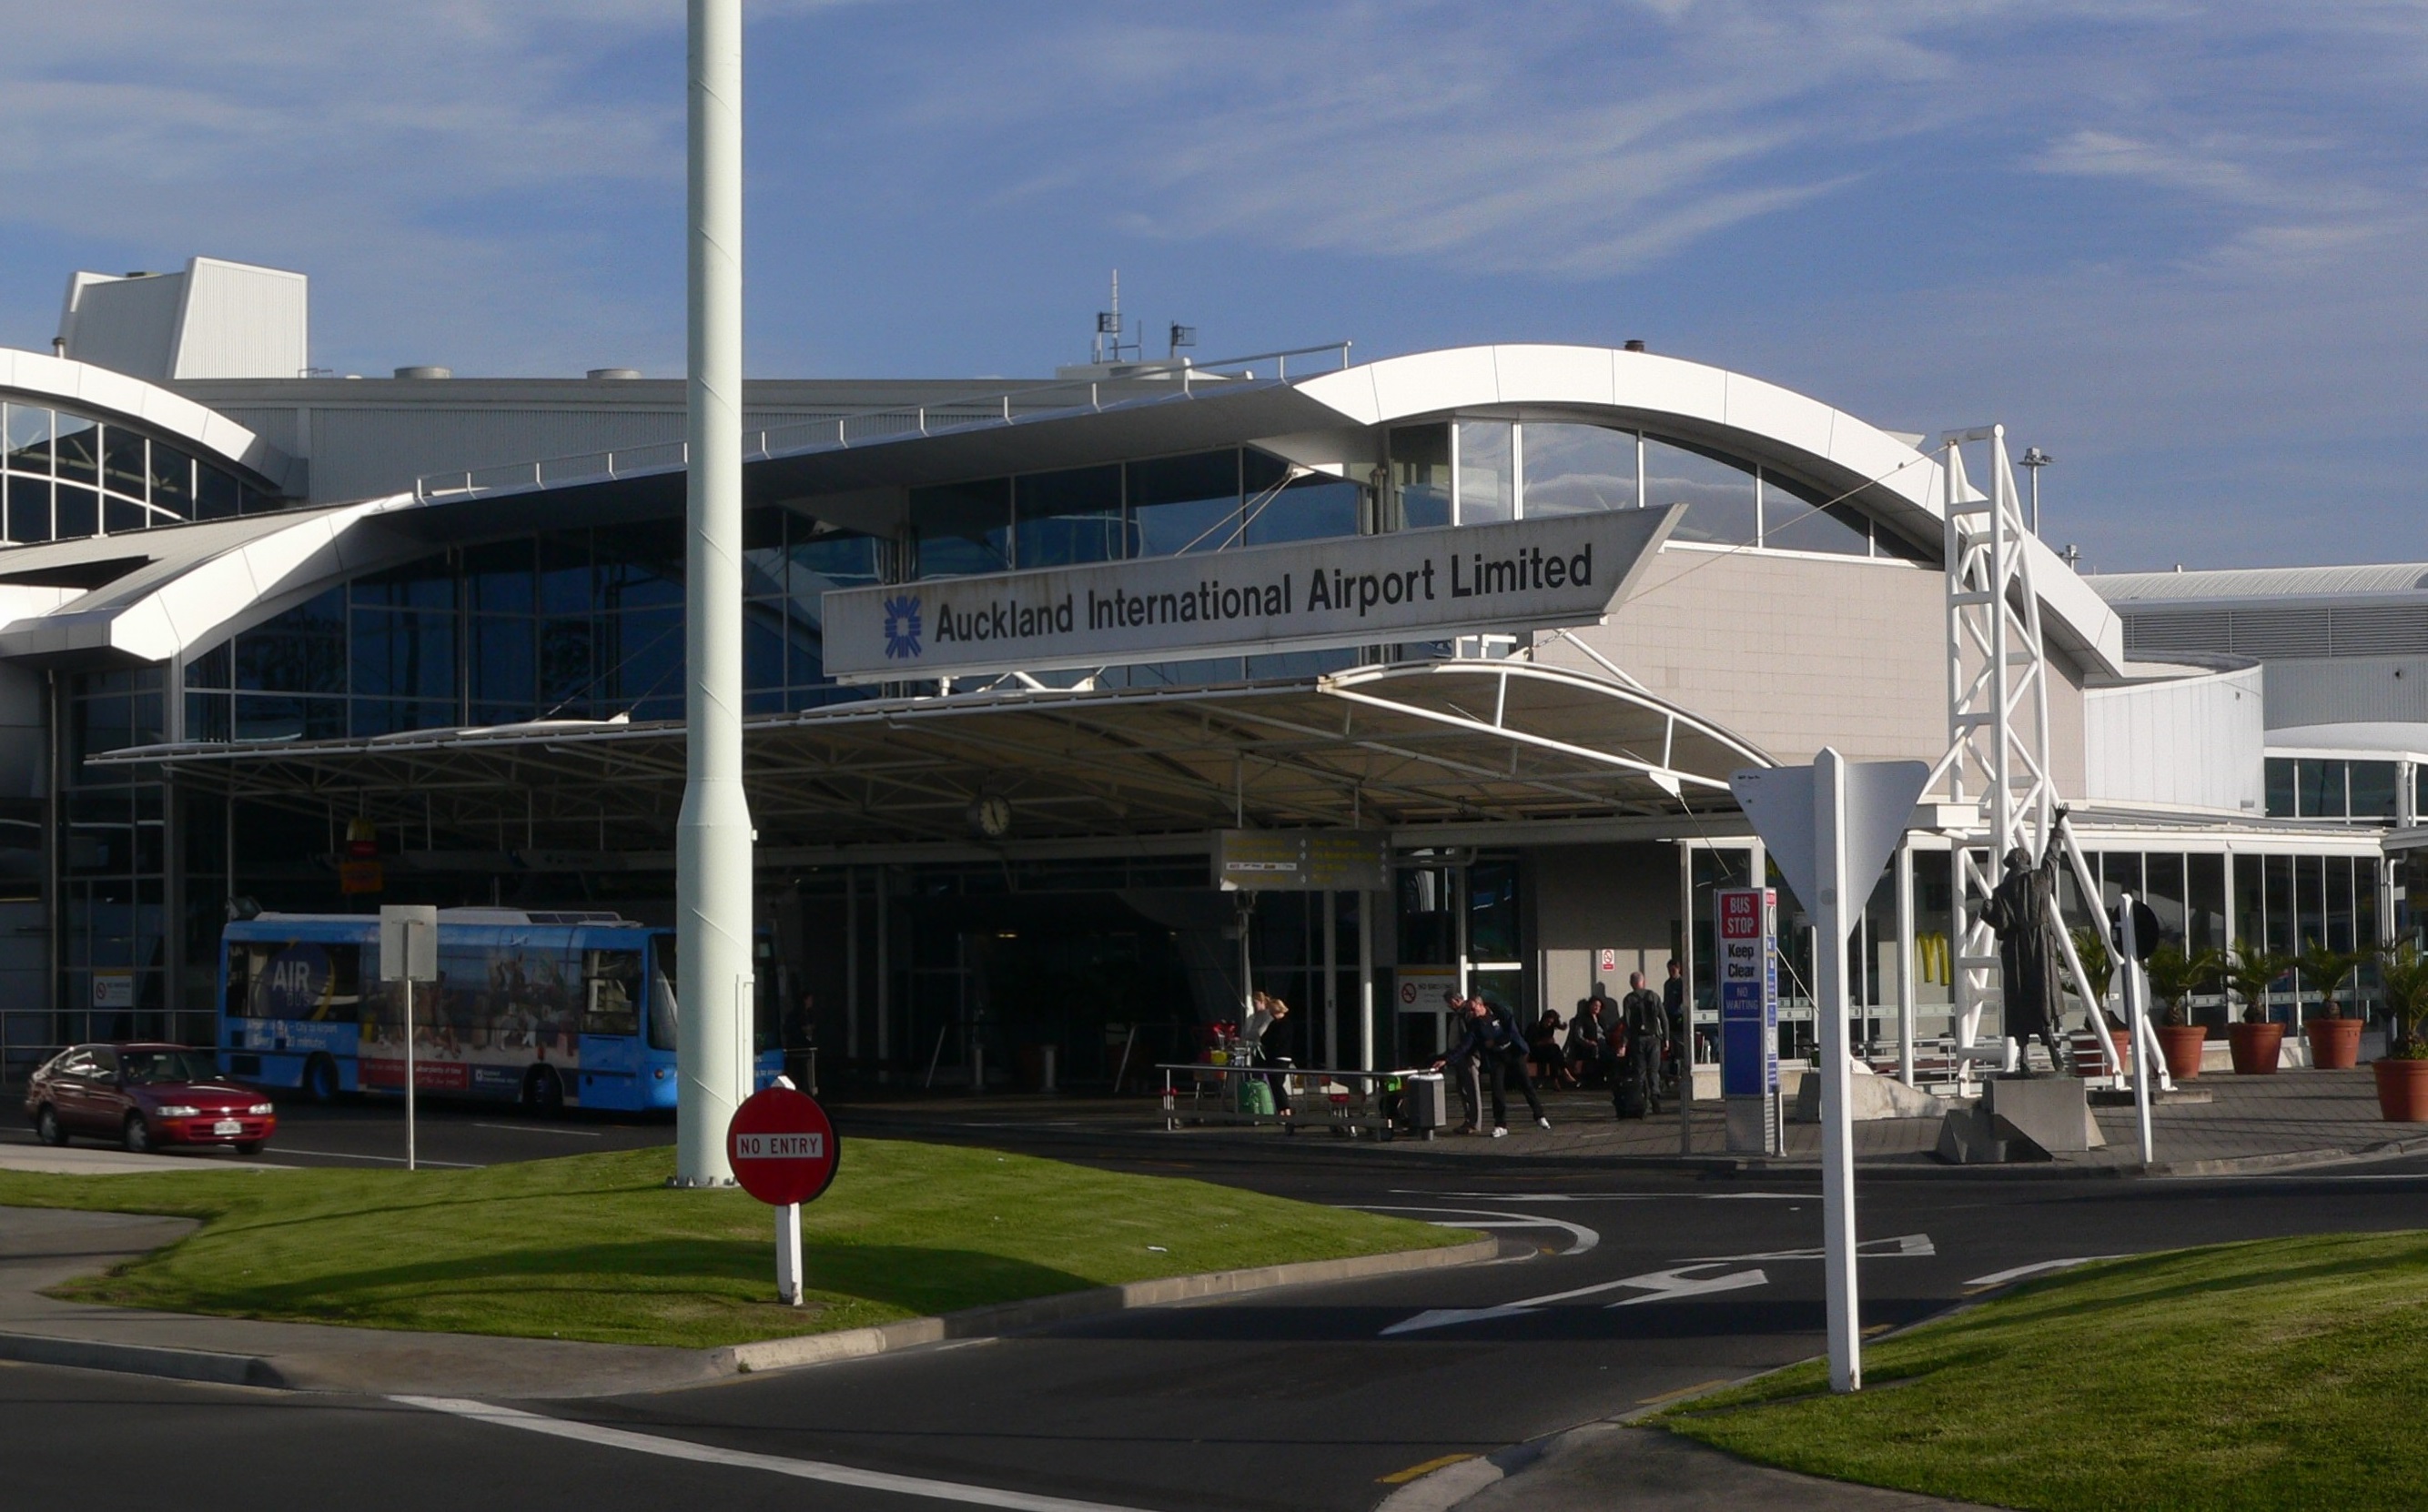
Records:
x=2032, y=963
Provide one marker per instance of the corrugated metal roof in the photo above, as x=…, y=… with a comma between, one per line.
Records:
x=2406, y=578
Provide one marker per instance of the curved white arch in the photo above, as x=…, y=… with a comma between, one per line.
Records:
x=113, y=396
x=1695, y=402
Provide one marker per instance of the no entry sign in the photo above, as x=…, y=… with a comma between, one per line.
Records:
x=781, y=1146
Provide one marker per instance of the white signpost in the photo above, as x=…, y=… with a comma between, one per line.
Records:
x=1830, y=827
x=409, y=953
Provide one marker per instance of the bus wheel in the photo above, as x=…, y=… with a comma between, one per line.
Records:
x=321, y=1080
x=543, y=1093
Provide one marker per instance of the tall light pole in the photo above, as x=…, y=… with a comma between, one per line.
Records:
x=2035, y=459
x=712, y=836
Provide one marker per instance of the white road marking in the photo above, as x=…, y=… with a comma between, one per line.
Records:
x=1658, y=1283
x=1492, y=1218
x=2018, y=1272
x=544, y=1128
x=1904, y=1246
x=1630, y=1196
x=1668, y=1286
x=808, y=1470
x=383, y=1160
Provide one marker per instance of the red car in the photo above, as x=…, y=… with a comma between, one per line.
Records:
x=146, y=1097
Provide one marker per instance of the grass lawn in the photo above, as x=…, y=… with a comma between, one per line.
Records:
x=2282, y=1374
x=596, y=1247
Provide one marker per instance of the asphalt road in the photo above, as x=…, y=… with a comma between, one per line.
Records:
x=1622, y=1286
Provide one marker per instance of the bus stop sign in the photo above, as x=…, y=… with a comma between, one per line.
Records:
x=781, y=1146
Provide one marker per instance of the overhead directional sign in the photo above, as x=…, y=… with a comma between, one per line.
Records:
x=1368, y=590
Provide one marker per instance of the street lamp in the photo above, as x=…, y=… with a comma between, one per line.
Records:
x=2035, y=459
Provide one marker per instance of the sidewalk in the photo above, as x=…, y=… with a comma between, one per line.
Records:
x=1610, y=1467
x=2240, y=1125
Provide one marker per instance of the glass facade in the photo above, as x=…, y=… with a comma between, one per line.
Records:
x=1162, y=507
x=583, y=624
x=64, y=475
x=2314, y=788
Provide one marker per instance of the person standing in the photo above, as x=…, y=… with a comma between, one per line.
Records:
x=1265, y=1011
x=1673, y=1003
x=1497, y=1050
x=1644, y=1029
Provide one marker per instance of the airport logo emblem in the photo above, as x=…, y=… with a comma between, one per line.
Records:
x=901, y=626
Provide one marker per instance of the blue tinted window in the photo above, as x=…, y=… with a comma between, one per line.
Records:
x=29, y=509
x=1421, y=474
x=963, y=528
x=1184, y=504
x=497, y=578
x=1310, y=508
x=1718, y=496
x=403, y=655
x=497, y=662
x=302, y=651
x=1068, y=517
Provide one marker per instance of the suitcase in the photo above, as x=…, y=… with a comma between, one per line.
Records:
x=1628, y=1096
x=1425, y=1101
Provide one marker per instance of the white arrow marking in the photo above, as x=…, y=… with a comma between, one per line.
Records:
x=1904, y=1246
x=1668, y=1286
x=1491, y=1218
x=2002, y=1278
x=1663, y=1284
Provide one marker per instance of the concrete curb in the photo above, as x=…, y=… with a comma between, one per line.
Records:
x=2383, y=1149
x=266, y=1369
x=1015, y=1317
x=141, y=1359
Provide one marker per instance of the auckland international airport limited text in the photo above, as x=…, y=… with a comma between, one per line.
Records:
x=1472, y=577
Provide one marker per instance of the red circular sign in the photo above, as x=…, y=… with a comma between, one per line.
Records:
x=782, y=1148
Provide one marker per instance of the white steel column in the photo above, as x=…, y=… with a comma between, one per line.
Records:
x=1330, y=979
x=1904, y=988
x=1366, y=907
x=1686, y=962
x=712, y=833
x=1833, y=911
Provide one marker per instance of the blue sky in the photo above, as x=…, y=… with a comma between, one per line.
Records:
x=2177, y=245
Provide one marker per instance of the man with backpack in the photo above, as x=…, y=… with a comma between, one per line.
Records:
x=1635, y=1045
x=1494, y=1049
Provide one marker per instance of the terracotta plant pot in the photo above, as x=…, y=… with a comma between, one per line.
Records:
x=2335, y=1043
x=2255, y=1048
x=2401, y=1091
x=2181, y=1044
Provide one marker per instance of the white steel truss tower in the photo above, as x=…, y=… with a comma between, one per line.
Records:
x=1997, y=757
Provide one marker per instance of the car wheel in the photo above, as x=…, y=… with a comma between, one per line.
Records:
x=248, y=1147
x=543, y=1093
x=321, y=1080
x=137, y=1135
x=47, y=1127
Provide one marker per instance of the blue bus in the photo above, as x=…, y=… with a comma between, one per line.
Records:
x=548, y=1010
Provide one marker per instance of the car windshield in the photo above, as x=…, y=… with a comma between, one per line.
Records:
x=145, y=1067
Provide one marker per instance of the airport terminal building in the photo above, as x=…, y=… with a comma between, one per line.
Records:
x=1049, y=740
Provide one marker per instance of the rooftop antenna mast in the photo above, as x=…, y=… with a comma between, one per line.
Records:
x=1109, y=346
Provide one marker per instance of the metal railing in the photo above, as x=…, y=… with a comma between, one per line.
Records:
x=1132, y=383
x=1341, y=1101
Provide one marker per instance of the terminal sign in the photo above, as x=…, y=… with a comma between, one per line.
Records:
x=1407, y=585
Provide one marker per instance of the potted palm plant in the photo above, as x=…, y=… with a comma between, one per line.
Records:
x=2176, y=974
x=2402, y=1074
x=2090, y=945
x=2334, y=1040
x=2255, y=1041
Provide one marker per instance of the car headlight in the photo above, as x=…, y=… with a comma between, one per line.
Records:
x=261, y=1110
x=177, y=1109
